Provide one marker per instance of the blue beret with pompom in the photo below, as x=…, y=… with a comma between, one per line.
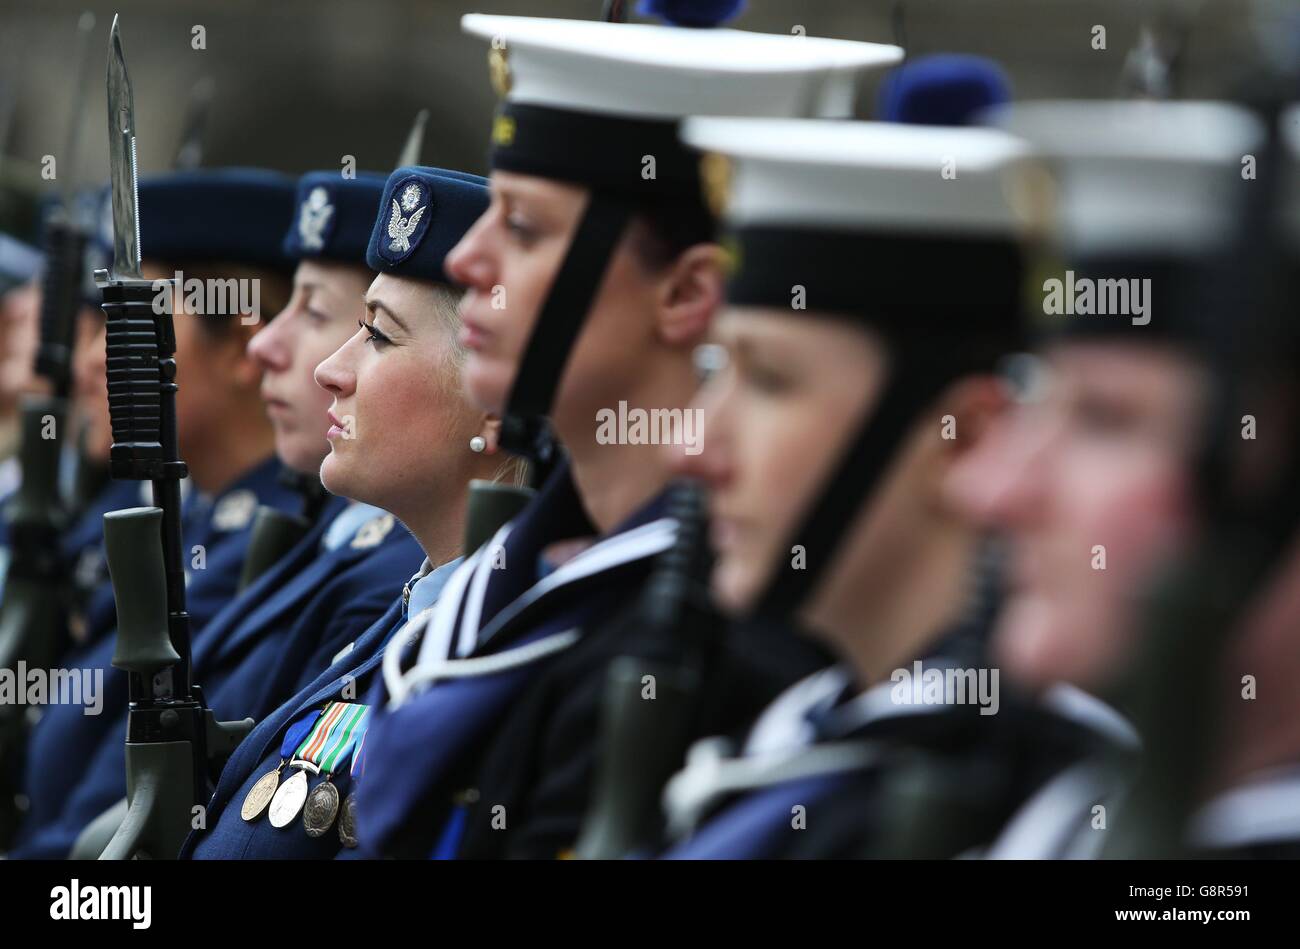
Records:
x=943, y=89
x=695, y=13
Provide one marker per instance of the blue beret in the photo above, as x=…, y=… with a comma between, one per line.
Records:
x=944, y=89
x=19, y=262
x=423, y=214
x=335, y=216
x=226, y=214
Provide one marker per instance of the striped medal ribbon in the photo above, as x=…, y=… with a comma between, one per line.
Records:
x=326, y=746
x=330, y=751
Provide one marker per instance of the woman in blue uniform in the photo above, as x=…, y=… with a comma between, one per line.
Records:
x=592, y=277
x=1109, y=459
x=281, y=632
x=402, y=436
x=858, y=406
x=211, y=225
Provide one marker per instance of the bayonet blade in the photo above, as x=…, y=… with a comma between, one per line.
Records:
x=84, y=28
x=189, y=154
x=414, y=141
x=122, y=163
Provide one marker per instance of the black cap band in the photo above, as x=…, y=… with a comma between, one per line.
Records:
x=1137, y=297
x=905, y=284
x=631, y=157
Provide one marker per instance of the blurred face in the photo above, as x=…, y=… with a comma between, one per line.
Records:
x=399, y=422
x=323, y=313
x=1099, y=468
x=212, y=368
x=776, y=419
x=508, y=262
x=20, y=330
x=90, y=385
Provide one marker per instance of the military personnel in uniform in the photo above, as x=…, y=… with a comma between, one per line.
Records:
x=1253, y=765
x=592, y=277
x=280, y=633
x=912, y=284
x=1093, y=476
x=402, y=437
x=212, y=225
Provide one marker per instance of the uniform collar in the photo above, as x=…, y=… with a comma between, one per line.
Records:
x=347, y=522
x=1263, y=809
x=502, y=578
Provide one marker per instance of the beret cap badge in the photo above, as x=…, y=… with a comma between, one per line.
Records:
x=405, y=217
x=313, y=216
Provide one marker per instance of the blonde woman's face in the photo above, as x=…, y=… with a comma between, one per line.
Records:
x=399, y=423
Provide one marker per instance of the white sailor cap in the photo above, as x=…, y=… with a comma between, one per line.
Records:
x=870, y=217
x=673, y=71
x=589, y=102
x=1140, y=177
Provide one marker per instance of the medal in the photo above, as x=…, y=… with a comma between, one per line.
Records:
x=260, y=795
x=264, y=790
x=289, y=799
x=321, y=808
x=348, y=818
x=348, y=822
x=327, y=746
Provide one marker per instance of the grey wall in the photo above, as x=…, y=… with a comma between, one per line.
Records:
x=300, y=83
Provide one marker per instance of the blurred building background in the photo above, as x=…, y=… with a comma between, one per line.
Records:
x=301, y=83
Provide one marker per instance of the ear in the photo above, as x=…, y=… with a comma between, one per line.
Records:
x=692, y=291
x=974, y=403
x=491, y=432
x=966, y=410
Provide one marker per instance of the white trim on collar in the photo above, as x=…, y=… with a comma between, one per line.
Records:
x=636, y=544
x=1085, y=709
x=1264, y=809
x=1047, y=827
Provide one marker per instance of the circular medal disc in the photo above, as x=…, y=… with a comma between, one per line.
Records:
x=348, y=822
x=321, y=809
x=260, y=795
x=288, y=800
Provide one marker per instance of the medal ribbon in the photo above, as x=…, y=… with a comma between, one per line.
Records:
x=294, y=735
x=331, y=738
x=359, y=758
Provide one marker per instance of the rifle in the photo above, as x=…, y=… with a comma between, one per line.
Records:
x=33, y=615
x=644, y=742
x=170, y=732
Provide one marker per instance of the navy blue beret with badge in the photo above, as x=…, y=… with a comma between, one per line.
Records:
x=334, y=216
x=224, y=214
x=423, y=214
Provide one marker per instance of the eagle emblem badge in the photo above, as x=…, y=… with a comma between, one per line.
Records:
x=315, y=213
x=235, y=511
x=372, y=532
x=402, y=226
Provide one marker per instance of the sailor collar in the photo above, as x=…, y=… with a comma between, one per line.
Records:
x=456, y=630
x=1264, y=809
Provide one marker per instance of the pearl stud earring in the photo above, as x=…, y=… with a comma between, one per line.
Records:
x=477, y=444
